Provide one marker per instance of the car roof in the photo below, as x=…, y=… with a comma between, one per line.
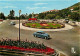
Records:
x=40, y=31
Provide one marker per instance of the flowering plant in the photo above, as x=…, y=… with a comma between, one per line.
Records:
x=25, y=46
x=33, y=24
x=53, y=24
x=44, y=24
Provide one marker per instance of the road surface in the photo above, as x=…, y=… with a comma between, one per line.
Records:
x=60, y=40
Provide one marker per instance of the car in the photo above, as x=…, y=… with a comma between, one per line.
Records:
x=54, y=19
x=12, y=23
x=41, y=34
x=66, y=20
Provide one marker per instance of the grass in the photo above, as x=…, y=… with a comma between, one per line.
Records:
x=37, y=25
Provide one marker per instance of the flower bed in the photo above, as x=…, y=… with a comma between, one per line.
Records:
x=44, y=25
x=26, y=46
x=45, y=51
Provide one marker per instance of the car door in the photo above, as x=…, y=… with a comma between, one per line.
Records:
x=38, y=34
x=41, y=35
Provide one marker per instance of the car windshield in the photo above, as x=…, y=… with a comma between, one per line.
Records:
x=41, y=32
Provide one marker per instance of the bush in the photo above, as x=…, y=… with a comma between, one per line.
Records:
x=23, y=44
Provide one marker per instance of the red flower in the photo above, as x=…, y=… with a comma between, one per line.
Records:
x=44, y=24
x=33, y=24
x=53, y=24
x=46, y=51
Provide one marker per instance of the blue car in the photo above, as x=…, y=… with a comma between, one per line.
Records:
x=41, y=34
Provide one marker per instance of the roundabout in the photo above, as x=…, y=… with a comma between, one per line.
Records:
x=60, y=40
x=67, y=27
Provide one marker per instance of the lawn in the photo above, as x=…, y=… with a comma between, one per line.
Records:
x=44, y=26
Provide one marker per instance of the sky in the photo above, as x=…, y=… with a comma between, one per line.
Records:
x=36, y=6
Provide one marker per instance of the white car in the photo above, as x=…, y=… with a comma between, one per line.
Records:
x=12, y=23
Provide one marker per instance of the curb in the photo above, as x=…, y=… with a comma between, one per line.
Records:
x=67, y=27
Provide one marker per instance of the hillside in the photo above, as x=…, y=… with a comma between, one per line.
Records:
x=75, y=6
x=72, y=12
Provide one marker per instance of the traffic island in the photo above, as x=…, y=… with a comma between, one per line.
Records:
x=43, y=25
x=67, y=27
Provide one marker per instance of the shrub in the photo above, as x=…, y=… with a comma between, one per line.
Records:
x=23, y=44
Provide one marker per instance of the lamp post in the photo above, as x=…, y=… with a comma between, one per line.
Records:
x=19, y=24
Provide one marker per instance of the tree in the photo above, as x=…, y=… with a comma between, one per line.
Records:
x=23, y=16
x=30, y=15
x=42, y=15
x=76, y=8
x=11, y=15
x=75, y=16
x=50, y=16
x=58, y=17
x=26, y=15
x=63, y=13
x=2, y=16
x=16, y=17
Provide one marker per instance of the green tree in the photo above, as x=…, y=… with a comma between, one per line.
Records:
x=11, y=15
x=58, y=17
x=16, y=17
x=75, y=16
x=42, y=15
x=2, y=16
x=76, y=8
x=26, y=15
x=30, y=15
x=50, y=16
x=23, y=16
x=64, y=13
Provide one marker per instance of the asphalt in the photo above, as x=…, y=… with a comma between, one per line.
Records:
x=60, y=40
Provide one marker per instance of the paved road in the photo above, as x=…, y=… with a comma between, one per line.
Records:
x=61, y=40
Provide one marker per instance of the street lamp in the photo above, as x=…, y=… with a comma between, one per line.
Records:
x=19, y=24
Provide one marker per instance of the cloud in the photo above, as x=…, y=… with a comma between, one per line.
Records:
x=44, y=7
x=8, y=7
x=32, y=8
x=40, y=3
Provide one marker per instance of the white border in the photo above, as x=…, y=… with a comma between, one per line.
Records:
x=67, y=27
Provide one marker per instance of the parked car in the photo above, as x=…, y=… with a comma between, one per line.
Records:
x=12, y=23
x=1, y=20
x=41, y=34
x=54, y=19
x=66, y=20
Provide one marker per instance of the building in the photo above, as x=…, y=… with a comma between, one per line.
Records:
x=71, y=9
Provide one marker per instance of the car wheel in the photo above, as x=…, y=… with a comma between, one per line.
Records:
x=46, y=38
x=35, y=36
